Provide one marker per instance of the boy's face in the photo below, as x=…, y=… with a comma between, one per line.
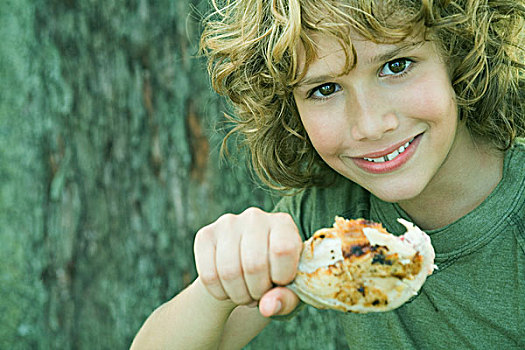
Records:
x=390, y=123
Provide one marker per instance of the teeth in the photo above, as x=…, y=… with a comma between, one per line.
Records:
x=390, y=156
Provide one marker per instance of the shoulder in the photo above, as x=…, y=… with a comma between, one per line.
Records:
x=515, y=173
x=316, y=207
x=515, y=167
x=519, y=145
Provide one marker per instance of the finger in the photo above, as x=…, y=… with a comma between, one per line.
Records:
x=255, y=264
x=285, y=247
x=228, y=262
x=278, y=301
x=205, y=256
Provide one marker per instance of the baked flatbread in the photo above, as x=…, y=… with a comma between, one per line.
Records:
x=357, y=266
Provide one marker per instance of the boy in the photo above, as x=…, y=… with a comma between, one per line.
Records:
x=377, y=109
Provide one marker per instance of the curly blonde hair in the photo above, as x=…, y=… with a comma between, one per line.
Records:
x=252, y=50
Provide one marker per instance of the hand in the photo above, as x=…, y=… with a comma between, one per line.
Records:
x=241, y=258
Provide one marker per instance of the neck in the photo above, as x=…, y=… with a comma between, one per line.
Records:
x=460, y=186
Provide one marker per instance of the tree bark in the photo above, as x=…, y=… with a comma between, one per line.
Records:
x=109, y=164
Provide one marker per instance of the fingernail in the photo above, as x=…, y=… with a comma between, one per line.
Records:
x=277, y=307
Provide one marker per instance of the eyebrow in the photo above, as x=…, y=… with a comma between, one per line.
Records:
x=387, y=56
x=315, y=80
x=383, y=57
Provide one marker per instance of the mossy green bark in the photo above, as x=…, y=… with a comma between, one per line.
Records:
x=109, y=164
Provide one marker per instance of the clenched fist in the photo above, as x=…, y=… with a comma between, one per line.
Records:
x=243, y=257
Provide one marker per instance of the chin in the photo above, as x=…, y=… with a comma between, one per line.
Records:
x=395, y=188
x=397, y=193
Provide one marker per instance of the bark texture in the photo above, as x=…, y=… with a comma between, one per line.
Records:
x=109, y=164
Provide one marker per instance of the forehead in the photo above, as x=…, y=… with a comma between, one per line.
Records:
x=324, y=48
x=335, y=25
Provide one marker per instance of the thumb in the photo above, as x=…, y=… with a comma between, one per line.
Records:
x=278, y=301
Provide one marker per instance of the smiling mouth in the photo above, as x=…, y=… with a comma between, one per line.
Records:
x=392, y=155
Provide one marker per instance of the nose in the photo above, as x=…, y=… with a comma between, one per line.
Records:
x=371, y=113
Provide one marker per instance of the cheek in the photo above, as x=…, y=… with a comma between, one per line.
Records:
x=324, y=131
x=321, y=138
x=433, y=100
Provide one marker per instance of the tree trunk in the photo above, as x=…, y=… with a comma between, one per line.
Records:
x=109, y=164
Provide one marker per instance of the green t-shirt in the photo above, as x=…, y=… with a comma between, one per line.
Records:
x=475, y=299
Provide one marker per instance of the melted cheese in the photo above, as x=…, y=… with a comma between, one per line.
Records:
x=393, y=243
x=327, y=252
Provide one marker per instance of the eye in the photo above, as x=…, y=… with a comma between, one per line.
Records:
x=324, y=90
x=396, y=67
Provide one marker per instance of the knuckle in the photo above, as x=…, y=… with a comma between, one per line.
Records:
x=209, y=278
x=229, y=274
x=285, y=248
x=225, y=219
x=204, y=234
x=252, y=212
x=253, y=266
